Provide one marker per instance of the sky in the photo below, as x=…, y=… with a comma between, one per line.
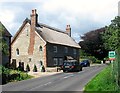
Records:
x=82, y=15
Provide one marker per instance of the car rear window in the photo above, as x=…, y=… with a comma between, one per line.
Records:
x=67, y=63
x=70, y=63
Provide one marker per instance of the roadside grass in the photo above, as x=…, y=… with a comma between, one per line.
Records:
x=104, y=81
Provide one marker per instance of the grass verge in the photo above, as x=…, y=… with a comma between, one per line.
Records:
x=104, y=81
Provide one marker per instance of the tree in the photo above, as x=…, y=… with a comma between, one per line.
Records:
x=111, y=36
x=3, y=45
x=111, y=39
x=93, y=44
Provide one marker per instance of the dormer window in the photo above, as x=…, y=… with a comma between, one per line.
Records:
x=17, y=52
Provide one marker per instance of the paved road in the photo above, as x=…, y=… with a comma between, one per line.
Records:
x=72, y=81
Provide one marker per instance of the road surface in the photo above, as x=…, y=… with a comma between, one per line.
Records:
x=72, y=81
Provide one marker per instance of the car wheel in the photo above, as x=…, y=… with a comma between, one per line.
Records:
x=80, y=69
x=88, y=65
x=64, y=70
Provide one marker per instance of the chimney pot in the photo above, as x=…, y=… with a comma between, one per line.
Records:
x=34, y=12
x=68, y=30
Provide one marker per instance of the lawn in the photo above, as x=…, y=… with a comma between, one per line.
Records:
x=104, y=81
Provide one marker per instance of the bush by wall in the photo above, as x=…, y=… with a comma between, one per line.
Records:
x=35, y=68
x=9, y=75
x=27, y=68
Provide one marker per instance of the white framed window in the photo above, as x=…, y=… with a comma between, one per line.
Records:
x=60, y=61
x=55, y=61
x=40, y=48
x=17, y=52
x=41, y=63
x=55, y=49
x=66, y=49
x=74, y=51
x=30, y=59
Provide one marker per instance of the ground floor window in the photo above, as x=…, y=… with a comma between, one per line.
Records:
x=58, y=61
x=55, y=61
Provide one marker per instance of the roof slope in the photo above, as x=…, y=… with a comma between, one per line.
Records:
x=50, y=34
x=20, y=29
x=55, y=36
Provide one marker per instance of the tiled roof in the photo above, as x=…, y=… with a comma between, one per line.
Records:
x=55, y=36
x=51, y=35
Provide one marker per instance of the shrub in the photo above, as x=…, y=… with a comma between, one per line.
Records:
x=35, y=68
x=43, y=69
x=5, y=74
x=9, y=75
x=92, y=58
x=27, y=68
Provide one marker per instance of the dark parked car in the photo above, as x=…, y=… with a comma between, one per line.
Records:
x=85, y=63
x=71, y=65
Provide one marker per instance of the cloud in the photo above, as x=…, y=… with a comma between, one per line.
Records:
x=82, y=15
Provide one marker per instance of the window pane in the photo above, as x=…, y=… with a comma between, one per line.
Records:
x=40, y=48
x=55, y=49
x=74, y=51
x=66, y=50
x=55, y=61
x=60, y=61
x=17, y=51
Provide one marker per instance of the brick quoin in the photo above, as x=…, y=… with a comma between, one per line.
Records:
x=32, y=31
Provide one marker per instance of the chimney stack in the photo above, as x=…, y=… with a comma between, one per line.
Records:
x=34, y=21
x=34, y=17
x=68, y=30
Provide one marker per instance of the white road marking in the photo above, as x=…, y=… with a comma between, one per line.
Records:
x=48, y=83
x=41, y=85
x=36, y=87
x=68, y=76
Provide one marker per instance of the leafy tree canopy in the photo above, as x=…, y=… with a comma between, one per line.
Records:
x=111, y=36
x=3, y=44
x=92, y=43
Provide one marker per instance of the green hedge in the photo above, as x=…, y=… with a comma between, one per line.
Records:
x=91, y=58
x=9, y=75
